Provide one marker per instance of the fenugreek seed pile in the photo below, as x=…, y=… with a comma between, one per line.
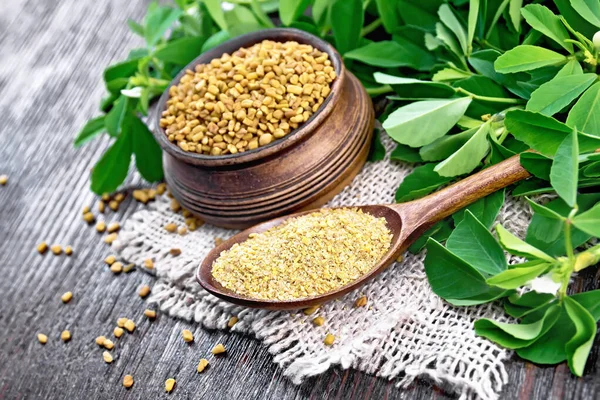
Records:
x=248, y=99
x=306, y=256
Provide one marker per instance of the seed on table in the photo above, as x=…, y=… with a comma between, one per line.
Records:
x=101, y=226
x=218, y=349
x=151, y=194
x=107, y=357
x=68, y=250
x=171, y=227
x=114, y=227
x=140, y=196
x=319, y=321
x=175, y=252
x=151, y=314
x=329, y=339
x=400, y=258
x=118, y=332
x=148, y=263
x=114, y=205
x=128, y=268
x=119, y=197
x=129, y=325
x=110, y=238
x=56, y=249
x=128, y=381
x=121, y=322
x=310, y=310
x=187, y=336
x=89, y=217
x=65, y=336
x=42, y=247
x=218, y=241
x=116, y=268
x=66, y=297
x=361, y=302
x=182, y=230
x=42, y=338
x=3, y=179
x=100, y=340
x=169, y=385
x=175, y=206
x=161, y=188
x=110, y=260
x=101, y=206
x=86, y=209
x=108, y=344
x=202, y=365
x=144, y=291
x=105, y=197
x=232, y=321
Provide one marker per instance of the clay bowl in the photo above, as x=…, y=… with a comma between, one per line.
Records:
x=299, y=172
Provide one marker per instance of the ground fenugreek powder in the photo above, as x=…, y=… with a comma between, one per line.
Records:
x=247, y=99
x=306, y=256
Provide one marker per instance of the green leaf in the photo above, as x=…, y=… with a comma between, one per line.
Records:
x=215, y=40
x=516, y=277
x=588, y=9
x=574, y=19
x=544, y=211
x=564, y=172
x=590, y=301
x=491, y=295
x=388, y=12
x=449, y=276
x=537, y=164
x=571, y=68
x=589, y=221
x=157, y=21
x=321, y=12
x=526, y=57
x=377, y=151
x=472, y=21
x=406, y=153
x=92, y=128
x=443, y=147
x=578, y=348
x=123, y=69
x=181, y=51
x=449, y=19
x=516, y=246
x=485, y=210
x=148, y=155
x=520, y=305
x=388, y=54
x=135, y=27
x=114, y=118
x=445, y=35
x=514, y=12
x=449, y=74
x=474, y=243
x=554, y=95
x=422, y=122
x=240, y=20
x=468, y=157
x=216, y=12
x=290, y=10
x=261, y=15
x=549, y=348
x=592, y=170
x=423, y=180
x=515, y=336
x=347, y=21
x=585, y=114
x=111, y=170
x=542, y=19
x=415, y=88
x=440, y=232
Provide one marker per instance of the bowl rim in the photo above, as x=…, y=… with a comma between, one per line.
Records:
x=275, y=34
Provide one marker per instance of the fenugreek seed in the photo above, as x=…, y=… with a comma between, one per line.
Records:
x=319, y=321
x=151, y=314
x=65, y=336
x=66, y=297
x=42, y=247
x=101, y=226
x=101, y=206
x=119, y=197
x=129, y=325
x=121, y=322
x=265, y=139
x=107, y=357
x=175, y=252
x=56, y=249
x=175, y=206
x=110, y=260
x=161, y=188
x=43, y=339
x=114, y=227
x=151, y=194
x=329, y=339
x=110, y=238
x=202, y=365
x=128, y=268
x=89, y=217
x=105, y=197
x=128, y=381
x=361, y=302
x=114, y=205
x=218, y=349
x=148, y=263
x=182, y=230
x=140, y=196
x=400, y=258
x=144, y=291
x=68, y=250
x=218, y=241
x=310, y=310
x=171, y=227
x=108, y=344
x=116, y=267
x=3, y=179
x=100, y=340
x=118, y=332
x=86, y=209
x=232, y=321
x=187, y=336
x=169, y=385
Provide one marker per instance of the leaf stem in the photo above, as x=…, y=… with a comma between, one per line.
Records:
x=490, y=99
x=376, y=91
x=371, y=27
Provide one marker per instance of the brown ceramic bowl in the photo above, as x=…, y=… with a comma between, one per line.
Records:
x=301, y=171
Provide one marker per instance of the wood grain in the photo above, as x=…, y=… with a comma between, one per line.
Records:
x=53, y=53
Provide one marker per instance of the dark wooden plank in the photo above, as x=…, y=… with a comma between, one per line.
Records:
x=52, y=57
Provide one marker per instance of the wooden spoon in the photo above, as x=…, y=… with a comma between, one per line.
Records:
x=407, y=221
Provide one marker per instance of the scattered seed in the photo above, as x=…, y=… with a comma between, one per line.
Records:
x=110, y=238
x=187, y=336
x=218, y=241
x=144, y=291
x=182, y=230
x=148, y=263
x=218, y=349
x=329, y=339
x=151, y=314
x=202, y=365
x=56, y=249
x=310, y=310
x=89, y=217
x=66, y=297
x=161, y=188
x=68, y=250
x=151, y=194
x=101, y=226
x=114, y=227
x=108, y=344
x=319, y=321
x=42, y=338
x=105, y=197
x=110, y=260
x=175, y=252
x=65, y=336
x=175, y=206
x=101, y=206
x=141, y=196
x=128, y=381
x=86, y=209
x=3, y=179
x=114, y=205
x=169, y=385
x=118, y=332
x=400, y=258
x=361, y=301
x=121, y=322
x=171, y=227
x=116, y=267
x=119, y=197
x=107, y=357
x=129, y=325
x=232, y=321
x=42, y=247
x=100, y=340
x=128, y=268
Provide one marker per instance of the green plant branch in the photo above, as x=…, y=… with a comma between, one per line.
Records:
x=376, y=91
x=490, y=99
x=371, y=27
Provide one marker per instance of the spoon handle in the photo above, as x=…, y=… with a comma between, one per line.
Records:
x=419, y=215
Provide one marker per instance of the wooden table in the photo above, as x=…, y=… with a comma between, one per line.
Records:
x=51, y=60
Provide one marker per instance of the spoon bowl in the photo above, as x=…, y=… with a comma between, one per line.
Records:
x=406, y=221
